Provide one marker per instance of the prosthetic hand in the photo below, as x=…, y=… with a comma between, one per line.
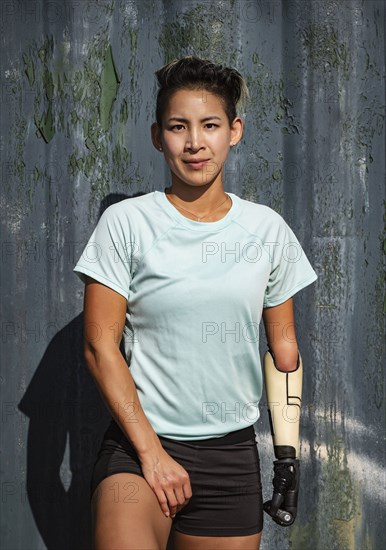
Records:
x=284, y=390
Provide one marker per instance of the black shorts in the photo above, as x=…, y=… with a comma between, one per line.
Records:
x=224, y=476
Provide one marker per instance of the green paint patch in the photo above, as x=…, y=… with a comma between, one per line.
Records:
x=109, y=85
x=277, y=175
x=29, y=68
x=133, y=33
x=45, y=52
x=255, y=58
x=37, y=174
x=45, y=125
x=124, y=112
x=48, y=84
x=74, y=117
x=75, y=165
x=43, y=78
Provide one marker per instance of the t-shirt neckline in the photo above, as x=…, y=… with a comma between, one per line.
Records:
x=162, y=199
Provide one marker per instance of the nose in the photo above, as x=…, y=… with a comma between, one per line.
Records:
x=194, y=140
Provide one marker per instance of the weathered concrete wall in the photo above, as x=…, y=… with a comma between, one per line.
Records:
x=78, y=93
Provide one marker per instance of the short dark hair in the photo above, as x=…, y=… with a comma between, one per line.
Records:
x=193, y=73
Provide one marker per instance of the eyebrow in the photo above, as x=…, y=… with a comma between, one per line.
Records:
x=180, y=119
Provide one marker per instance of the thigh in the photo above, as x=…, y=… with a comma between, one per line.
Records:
x=182, y=541
x=126, y=515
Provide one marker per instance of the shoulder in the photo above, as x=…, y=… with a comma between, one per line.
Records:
x=262, y=209
x=128, y=209
x=257, y=217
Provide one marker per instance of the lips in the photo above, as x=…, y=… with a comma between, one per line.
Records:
x=196, y=161
x=196, y=164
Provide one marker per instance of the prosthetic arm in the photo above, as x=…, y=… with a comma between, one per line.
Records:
x=284, y=390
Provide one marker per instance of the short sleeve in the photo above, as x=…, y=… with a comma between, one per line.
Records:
x=106, y=257
x=290, y=269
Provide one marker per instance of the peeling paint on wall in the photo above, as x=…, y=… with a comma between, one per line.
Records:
x=90, y=93
x=78, y=98
x=109, y=85
x=325, y=51
x=204, y=29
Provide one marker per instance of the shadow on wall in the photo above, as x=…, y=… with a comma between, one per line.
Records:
x=63, y=402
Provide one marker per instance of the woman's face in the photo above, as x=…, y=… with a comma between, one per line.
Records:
x=196, y=128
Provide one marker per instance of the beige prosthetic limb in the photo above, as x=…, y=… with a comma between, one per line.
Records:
x=284, y=391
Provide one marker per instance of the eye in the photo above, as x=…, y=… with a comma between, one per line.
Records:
x=212, y=124
x=176, y=126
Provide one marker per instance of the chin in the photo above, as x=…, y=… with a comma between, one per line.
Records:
x=192, y=184
x=200, y=182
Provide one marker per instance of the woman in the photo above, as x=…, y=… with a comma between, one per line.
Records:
x=185, y=275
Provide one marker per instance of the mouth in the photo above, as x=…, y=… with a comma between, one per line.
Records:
x=196, y=163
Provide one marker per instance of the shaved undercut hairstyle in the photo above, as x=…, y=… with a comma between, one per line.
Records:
x=193, y=73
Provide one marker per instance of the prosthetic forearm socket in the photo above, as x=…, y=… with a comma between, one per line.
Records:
x=284, y=390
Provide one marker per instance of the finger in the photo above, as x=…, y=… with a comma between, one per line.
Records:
x=183, y=493
x=162, y=499
x=171, y=497
x=180, y=496
x=187, y=488
x=173, y=504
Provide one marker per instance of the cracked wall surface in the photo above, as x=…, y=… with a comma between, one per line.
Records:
x=78, y=99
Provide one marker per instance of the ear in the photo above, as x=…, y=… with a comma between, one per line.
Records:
x=237, y=128
x=156, y=136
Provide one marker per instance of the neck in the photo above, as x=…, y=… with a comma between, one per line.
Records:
x=202, y=197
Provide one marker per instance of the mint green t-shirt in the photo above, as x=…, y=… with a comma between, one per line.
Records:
x=195, y=292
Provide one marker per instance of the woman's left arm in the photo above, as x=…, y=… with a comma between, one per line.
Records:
x=279, y=327
x=283, y=391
